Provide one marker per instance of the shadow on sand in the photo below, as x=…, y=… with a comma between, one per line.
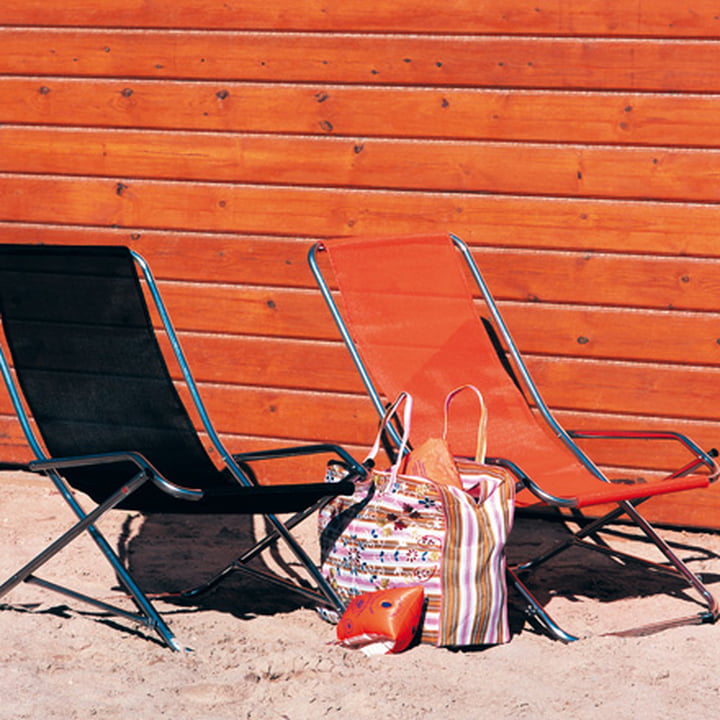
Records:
x=167, y=553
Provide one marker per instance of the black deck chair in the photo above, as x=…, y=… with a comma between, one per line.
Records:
x=97, y=404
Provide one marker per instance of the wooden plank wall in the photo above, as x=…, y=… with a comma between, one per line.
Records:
x=575, y=146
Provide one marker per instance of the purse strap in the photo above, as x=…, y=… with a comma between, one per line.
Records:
x=481, y=444
x=390, y=412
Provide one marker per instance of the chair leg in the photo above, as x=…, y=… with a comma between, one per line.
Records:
x=536, y=614
x=324, y=595
x=690, y=577
x=575, y=538
x=148, y=616
x=677, y=568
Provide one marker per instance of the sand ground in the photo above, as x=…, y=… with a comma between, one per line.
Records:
x=258, y=653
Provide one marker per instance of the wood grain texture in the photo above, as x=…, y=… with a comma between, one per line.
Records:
x=617, y=118
x=663, y=18
x=459, y=166
x=598, y=63
x=575, y=147
x=519, y=221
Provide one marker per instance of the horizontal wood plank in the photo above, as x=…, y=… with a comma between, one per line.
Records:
x=271, y=362
x=602, y=279
x=616, y=334
x=542, y=329
x=525, y=115
x=617, y=387
x=676, y=228
x=538, y=275
x=326, y=366
x=559, y=170
x=447, y=60
x=189, y=256
x=665, y=18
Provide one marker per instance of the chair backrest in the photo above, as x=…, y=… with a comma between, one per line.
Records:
x=411, y=314
x=90, y=367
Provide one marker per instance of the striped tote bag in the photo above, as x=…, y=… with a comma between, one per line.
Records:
x=401, y=529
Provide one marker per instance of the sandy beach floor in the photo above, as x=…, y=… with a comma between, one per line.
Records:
x=258, y=653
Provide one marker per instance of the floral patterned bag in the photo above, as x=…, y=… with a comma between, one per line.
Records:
x=399, y=530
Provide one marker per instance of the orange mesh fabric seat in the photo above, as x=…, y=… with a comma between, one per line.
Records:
x=407, y=312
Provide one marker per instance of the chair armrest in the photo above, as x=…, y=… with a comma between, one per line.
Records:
x=524, y=481
x=701, y=457
x=316, y=449
x=150, y=472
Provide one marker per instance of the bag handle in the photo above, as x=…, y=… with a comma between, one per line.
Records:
x=391, y=411
x=481, y=444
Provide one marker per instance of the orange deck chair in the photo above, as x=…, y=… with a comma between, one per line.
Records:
x=406, y=311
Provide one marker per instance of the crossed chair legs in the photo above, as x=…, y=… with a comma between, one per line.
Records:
x=588, y=537
x=146, y=615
